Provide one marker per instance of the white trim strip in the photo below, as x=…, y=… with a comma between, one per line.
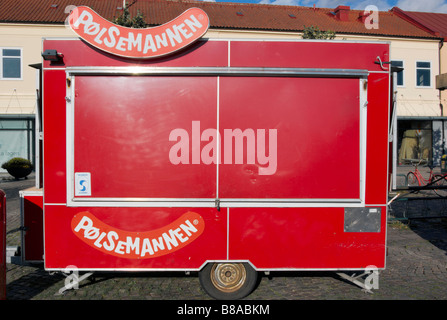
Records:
x=31, y=193
x=305, y=203
x=229, y=53
x=230, y=203
x=187, y=202
x=70, y=96
x=220, y=71
x=198, y=269
x=363, y=97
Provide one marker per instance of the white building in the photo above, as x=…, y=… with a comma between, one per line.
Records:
x=23, y=24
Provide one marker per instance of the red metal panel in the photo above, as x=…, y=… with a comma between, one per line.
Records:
x=78, y=53
x=318, y=143
x=308, y=54
x=63, y=247
x=54, y=153
x=302, y=238
x=33, y=222
x=377, y=146
x=123, y=129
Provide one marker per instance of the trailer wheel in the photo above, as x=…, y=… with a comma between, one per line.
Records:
x=228, y=281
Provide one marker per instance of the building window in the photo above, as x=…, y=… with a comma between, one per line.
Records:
x=423, y=74
x=414, y=141
x=400, y=74
x=17, y=137
x=11, y=64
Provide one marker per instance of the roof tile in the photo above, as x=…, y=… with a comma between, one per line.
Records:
x=222, y=15
x=436, y=23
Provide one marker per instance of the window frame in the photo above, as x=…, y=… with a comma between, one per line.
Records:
x=423, y=68
x=403, y=72
x=18, y=57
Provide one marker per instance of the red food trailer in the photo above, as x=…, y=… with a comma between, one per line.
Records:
x=226, y=157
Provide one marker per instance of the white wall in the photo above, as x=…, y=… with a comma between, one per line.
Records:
x=18, y=96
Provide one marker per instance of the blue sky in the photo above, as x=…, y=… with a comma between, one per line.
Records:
x=439, y=6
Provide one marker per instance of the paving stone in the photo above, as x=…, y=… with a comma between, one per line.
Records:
x=416, y=268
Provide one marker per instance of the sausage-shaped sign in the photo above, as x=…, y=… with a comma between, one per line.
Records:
x=144, y=43
x=137, y=245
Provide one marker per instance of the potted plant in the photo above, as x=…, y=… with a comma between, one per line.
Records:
x=18, y=167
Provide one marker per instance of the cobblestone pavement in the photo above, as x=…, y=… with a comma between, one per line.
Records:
x=416, y=269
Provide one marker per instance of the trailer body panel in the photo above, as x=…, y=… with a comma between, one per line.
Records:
x=268, y=152
x=32, y=225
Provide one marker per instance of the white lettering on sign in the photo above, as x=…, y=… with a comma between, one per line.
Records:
x=138, y=245
x=188, y=147
x=139, y=43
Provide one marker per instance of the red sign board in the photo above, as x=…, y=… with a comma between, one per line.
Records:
x=137, y=245
x=144, y=43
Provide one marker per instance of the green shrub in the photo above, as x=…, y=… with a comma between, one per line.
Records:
x=315, y=33
x=18, y=167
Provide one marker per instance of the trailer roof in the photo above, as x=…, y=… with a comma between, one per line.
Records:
x=341, y=20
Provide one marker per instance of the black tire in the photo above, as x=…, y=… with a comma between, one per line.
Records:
x=228, y=281
x=439, y=180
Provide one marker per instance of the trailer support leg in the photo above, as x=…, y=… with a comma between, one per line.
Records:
x=371, y=280
x=72, y=280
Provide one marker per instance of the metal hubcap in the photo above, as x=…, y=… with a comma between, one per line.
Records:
x=228, y=277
